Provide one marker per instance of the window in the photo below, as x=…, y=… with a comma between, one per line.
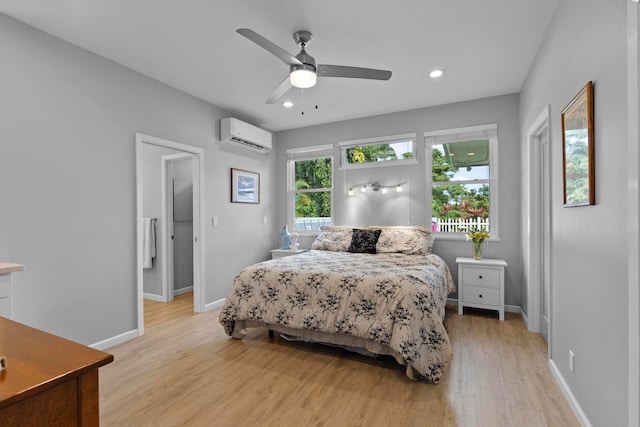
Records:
x=310, y=188
x=463, y=170
x=382, y=151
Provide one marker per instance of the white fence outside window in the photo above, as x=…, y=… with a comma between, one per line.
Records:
x=458, y=225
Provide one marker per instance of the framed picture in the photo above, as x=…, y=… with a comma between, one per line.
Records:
x=578, y=162
x=245, y=186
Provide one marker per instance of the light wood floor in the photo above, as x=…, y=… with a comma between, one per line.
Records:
x=186, y=371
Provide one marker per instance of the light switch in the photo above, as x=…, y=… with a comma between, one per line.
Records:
x=214, y=221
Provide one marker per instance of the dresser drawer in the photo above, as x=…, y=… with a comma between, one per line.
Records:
x=480, y=295
x=5, y=285
x=481, y=276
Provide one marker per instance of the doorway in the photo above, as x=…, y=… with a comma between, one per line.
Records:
x=145, y=144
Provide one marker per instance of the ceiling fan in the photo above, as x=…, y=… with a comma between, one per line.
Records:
x=303, y=70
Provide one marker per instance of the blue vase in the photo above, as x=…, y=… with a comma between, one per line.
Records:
x=284, y=238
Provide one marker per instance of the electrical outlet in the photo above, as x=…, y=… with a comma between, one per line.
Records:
x=572, y=362
x=214, y=221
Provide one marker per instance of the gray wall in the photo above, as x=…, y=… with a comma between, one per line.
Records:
x=587, y=41
x=67, y=181
x=410, y=207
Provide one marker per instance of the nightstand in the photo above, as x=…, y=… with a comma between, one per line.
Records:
x=281, y=253
x=481, y=284
x=6, y=268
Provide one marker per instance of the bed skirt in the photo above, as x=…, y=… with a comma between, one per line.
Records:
x=240, y=330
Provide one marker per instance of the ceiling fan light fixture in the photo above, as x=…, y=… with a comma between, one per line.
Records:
x=436, y=73
x=287, y=104
x=303, y=77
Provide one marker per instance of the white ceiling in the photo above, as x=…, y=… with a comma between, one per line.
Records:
x=485, y=47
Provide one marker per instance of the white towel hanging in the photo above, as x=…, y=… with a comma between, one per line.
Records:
x=148, y=242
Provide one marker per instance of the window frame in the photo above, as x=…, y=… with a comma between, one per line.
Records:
x=302, y=154
x=458, y=135
x=345, y=145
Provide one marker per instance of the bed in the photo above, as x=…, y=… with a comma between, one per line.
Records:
x=380, y=290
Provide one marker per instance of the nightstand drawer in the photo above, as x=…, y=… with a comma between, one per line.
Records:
x=481, y=276
x=480, y=295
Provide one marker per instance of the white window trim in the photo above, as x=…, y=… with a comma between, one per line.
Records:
x=301, y=154
x=490, y=132
x=344, y=145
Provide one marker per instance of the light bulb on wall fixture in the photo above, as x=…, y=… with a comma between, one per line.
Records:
x=363, y=189
x=399, y=188
x=384, y=190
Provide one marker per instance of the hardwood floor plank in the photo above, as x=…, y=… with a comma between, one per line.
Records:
x=186, y=371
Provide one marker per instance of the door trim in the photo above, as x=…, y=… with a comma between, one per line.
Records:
x=198, y=221
x=533, y=257
x=544, y=151
x=633, y=208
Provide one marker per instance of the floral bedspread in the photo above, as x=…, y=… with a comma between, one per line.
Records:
x=394, y=299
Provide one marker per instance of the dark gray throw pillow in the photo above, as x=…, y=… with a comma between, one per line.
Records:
x=364, y=241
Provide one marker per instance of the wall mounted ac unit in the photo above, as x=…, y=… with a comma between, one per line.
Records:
x=239, y=133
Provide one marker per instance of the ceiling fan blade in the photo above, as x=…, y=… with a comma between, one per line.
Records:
x=280, y=91
x=276, y=50
x=352, y=72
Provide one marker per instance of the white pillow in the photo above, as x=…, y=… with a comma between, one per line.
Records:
x=410, y=240
x=336, y=241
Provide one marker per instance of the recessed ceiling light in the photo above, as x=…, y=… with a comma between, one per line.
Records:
x=287, y=104
x=436, y=73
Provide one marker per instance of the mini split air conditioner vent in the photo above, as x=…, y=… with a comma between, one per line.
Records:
x=238, y=133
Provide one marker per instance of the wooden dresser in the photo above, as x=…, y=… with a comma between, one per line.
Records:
x=48, y=381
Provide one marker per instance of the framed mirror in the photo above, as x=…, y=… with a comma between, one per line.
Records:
x=578, y=162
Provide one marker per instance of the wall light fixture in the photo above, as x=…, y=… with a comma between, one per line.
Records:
x=376, y=186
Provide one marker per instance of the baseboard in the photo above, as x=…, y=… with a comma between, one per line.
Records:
x=573, y=402
x=153, y=297
x=509, y=308
x=113, y=341
x=181, y=291
x=214, y=305
x=525, y=319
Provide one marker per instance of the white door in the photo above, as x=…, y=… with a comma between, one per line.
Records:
x=545, y=206
x=169, y=260
x=183, y=237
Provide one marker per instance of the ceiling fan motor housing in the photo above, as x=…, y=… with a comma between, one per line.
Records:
x=302, y=38
x=303, y=75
